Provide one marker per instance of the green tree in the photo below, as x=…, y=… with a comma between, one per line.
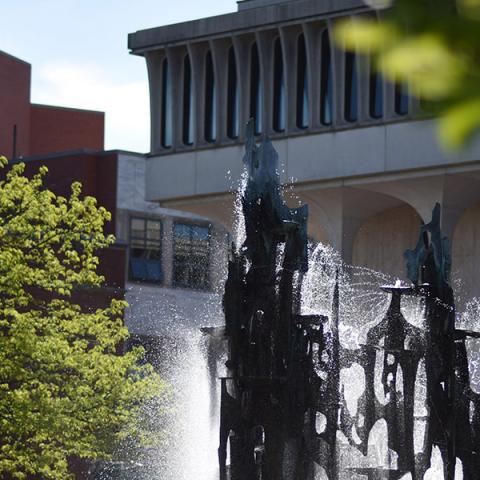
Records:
x=434, y=46
x=65, y=391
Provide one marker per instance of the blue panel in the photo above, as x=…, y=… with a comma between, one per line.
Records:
x=182, y=230
x=139, y=269
x=200, y=233
x=154, y=270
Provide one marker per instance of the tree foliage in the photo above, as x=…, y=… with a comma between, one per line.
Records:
x=64, y=389
x=434, y=46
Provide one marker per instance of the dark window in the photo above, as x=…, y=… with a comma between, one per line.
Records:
x=191, y=256
x=351, y=88
x=167, y=120
x=278, y=89
x=188, y=115
x=256, y=93
x=302, y=84
x=210, y=101
x=376, y=94
x=401, y=99
x=232, y=98
x=326, y=87
x=145, y=249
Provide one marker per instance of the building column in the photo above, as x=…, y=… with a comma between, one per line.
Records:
x=154, y=68
x=219, y=49
x=242, y=45
x=289, y=37
x=198, y=52
x=338, y=66
x=219, y=248
x=175, y=64
x=313, y=34
x=167, y=251
x=265, y=44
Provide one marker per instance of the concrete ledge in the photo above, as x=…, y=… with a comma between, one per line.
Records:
x=365, y=152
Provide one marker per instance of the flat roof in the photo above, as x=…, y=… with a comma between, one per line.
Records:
x=273, y=13
x=245, y=4
x=73, y=109
x=13, y=57
x=76, y=153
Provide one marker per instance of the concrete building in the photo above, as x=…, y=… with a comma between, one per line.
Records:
x=354, y=147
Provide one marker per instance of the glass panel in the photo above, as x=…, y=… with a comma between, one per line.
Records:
x=326, y=90
x=232, y=99
x=153, y=230
x=167, y=110
x=188, y=116
x=302, y=85
x=376, y=95
x=210, y=101
x=137, y=228
x=401, y=99
x=191, y=256
x=200, y=233
x=181, y=230
x=152, y=250
x=351, y=88
x=137, y=243
x=278, y=89
x=153, y=270
x=138, y=269
x=145, y=248
x=256, y=93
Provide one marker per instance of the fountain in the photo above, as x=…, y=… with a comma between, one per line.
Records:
x=284, y=412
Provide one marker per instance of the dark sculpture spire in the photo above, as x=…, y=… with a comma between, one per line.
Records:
x=282, y=405
x=266, y=397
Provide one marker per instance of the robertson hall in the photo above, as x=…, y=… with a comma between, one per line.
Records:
x=356, y=148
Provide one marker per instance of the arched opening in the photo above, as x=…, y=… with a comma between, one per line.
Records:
x=256, y=91
x=278, y=88
x=188, y=101
x=376, y=93
x=302, y=84
x=392, y=232
x=210, y=101
x=232, y=96
x=166, y=133
x=326, y=79
x=466, y=256
x=401, y=98
x=351, y=87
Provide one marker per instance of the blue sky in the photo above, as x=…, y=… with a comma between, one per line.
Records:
x=79, y=56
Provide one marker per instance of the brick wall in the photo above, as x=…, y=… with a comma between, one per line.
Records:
x=14, y=105
x=56, y=129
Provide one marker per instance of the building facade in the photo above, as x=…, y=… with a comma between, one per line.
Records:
x=166, y=263
x=356, y=148
x=28, y=129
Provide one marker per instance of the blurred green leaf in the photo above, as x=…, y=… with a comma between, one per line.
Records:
x=459, y=123
x=433, y=46
x=365, y=35
x=427, y=63
x=469, y=8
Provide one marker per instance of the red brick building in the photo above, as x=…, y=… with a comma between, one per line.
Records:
x=70, y=143
x=29, y=129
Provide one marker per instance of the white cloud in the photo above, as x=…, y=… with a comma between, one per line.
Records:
x=126, y=104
